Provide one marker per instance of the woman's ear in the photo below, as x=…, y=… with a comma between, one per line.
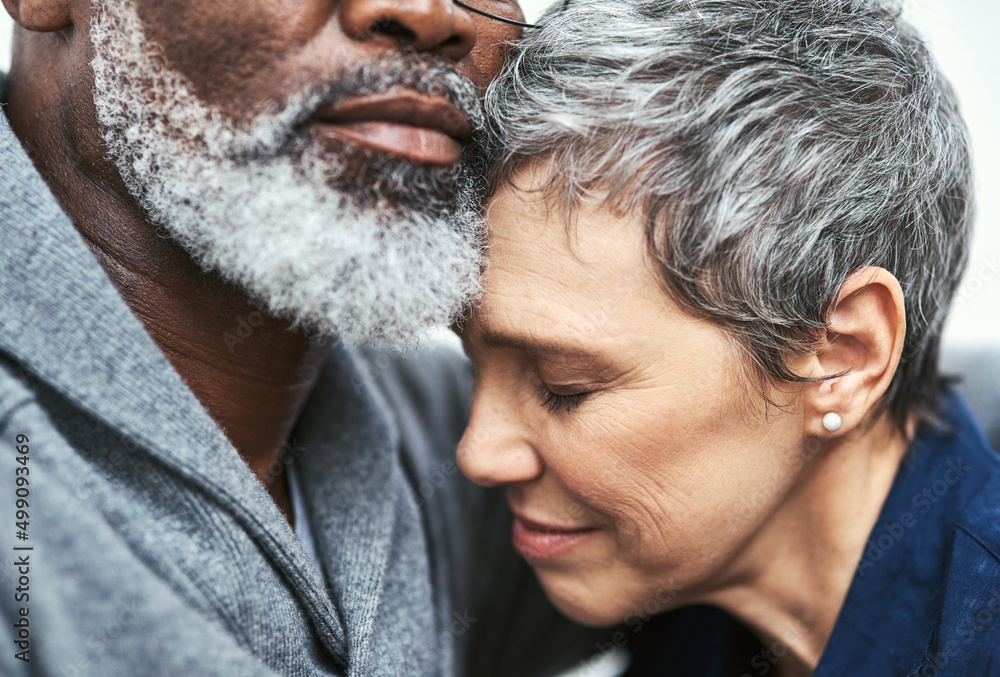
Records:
x=864, y=338
x=42, y=16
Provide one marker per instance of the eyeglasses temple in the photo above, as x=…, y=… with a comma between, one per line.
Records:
x=480, y=12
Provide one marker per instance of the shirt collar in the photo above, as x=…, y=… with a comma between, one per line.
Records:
x=63, y=321
x=891, y=610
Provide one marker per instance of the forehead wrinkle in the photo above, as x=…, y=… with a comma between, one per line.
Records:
x=544, y=277
x=532, y=275
x=538, y=324
x=592, y=267
x=512, y=330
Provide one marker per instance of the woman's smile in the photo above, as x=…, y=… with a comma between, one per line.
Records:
x=541, y=541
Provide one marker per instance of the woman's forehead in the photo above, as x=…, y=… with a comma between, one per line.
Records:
x=584, y=282
x=524, y=221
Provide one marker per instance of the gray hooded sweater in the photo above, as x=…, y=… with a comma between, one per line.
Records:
x=145, y=545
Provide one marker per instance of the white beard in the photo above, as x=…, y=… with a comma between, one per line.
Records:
x=259, y=204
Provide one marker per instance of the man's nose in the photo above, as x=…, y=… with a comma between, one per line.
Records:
x=495, y=449
x=437, y=26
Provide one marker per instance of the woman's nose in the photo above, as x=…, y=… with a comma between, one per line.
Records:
x=494, y=449
x=437, y=26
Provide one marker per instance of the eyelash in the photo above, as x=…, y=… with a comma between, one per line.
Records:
x=554, y=402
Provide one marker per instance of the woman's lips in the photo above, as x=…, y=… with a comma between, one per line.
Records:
x=422, y=129
x=535, y=540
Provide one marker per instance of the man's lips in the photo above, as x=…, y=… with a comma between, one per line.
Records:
x=428, y=130
x=538, y=540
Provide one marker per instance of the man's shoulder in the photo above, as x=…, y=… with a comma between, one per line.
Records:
x=427, y=391
x=15, y=389
x=426, y=394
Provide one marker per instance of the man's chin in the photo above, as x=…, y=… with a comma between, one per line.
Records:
x=335, y=237
x=384, y=181
x=379, y=263
x=369, y=273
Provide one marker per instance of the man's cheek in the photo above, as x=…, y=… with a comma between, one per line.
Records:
x=490, y=54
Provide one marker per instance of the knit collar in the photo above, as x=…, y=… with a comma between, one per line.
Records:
x=64, y=322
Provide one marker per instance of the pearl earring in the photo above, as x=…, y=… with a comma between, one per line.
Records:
x=831, y=421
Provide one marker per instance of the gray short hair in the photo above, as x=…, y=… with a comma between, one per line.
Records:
x=772, y=147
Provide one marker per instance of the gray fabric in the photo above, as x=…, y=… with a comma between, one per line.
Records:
x=176, y=526
x=156, y=552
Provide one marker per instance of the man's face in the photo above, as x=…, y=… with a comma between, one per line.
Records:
x=241, y=56
x=309, y=151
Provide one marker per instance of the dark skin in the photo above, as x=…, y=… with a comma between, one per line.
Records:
x=239, y=54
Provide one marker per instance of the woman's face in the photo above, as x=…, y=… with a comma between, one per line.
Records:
x=640, y=468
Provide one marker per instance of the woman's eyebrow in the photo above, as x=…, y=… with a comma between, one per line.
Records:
x=533, y=344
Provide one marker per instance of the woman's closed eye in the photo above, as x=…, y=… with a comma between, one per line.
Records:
x=555, y=402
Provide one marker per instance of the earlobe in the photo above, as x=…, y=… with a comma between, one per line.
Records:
x=864, y=341
x=42, y=16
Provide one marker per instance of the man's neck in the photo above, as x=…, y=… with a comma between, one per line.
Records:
x=249, y=370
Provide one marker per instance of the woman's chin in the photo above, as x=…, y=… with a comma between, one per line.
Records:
x=586, y=604
x=586, y=613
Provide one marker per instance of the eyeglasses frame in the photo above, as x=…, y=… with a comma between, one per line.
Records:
x=505, y=20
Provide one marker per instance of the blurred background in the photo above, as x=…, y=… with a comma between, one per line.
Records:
x=962, y=34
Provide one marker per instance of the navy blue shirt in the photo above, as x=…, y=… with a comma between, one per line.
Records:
x=925, y=599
